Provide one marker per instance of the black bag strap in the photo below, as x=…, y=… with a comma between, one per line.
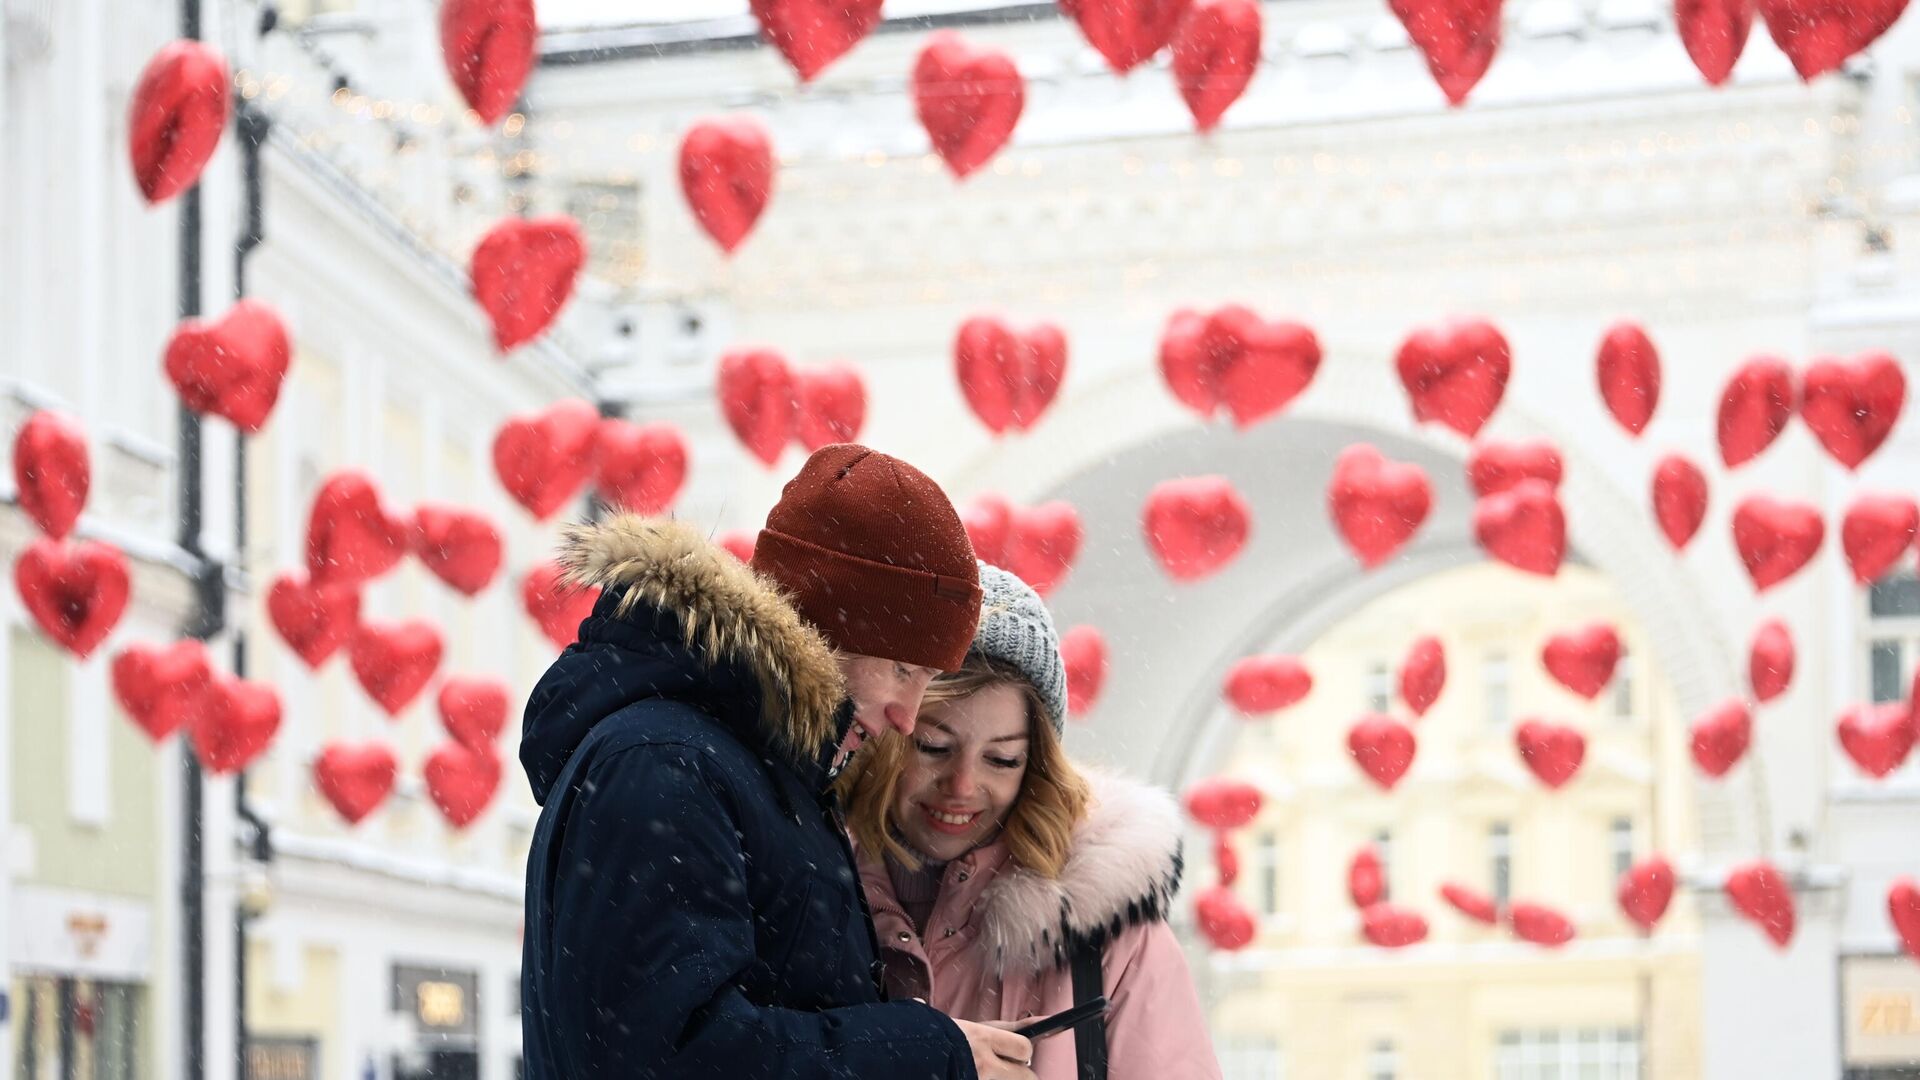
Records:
x=1090, y=1038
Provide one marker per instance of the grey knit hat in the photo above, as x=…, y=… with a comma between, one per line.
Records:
x=1016, y=628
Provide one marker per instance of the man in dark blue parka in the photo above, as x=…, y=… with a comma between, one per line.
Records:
x=692, y=906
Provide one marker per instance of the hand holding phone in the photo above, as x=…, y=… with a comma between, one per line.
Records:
x=1062, y=1021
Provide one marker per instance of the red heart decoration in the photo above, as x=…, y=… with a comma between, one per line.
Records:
x=967, y=99
x=1223, y=918
x=1714, y=33
x=1775, y=538
x=1494, y=466
x=1903, y=907
x=1226, y=861
x=1265, y=684
x=523, y=273
x=1523, y=527
x=1195, y=525
x=234, y=723
x=489, y=47
x=1383, y=747
x=1539, y=924
x=1423, y=674
x=395, y=662
x=1236, y=360
x=176, y=115
x=1770, y=660
x=51, y=472
x=641, y=467
x=1819, y=35
x=76, y=590
x=1377, y=504
x=461, y=782
x=1754, y=408
x=1084, y=651
x=1126, y=32
x=1628, y=367
x=1583, y=660
x=1721, y=736
x=814, y=33
x=462, y=548
x=726, y=175
x=988, y=520
x=1645, y=890
x=1221, y=802
x=474, y=711
x=1366, y=879
x=351, y=537
x=544, y=459
x=1852, y=405
x=355, y=779
x=1472, y=903
x=1552, y=752
x=1009, y=378
x=1761, y=893
x=557, y=607
x=1392, y=927
x=1455, y=374
x=158, y=687
x=1877, y=737
x=1876, y=531
x=738, y=544
x=759, y=400
x=1215, y=52
x=1457, y=37
x=1679, y=499
x=1042, y=543
x=831, y=404
x=234, y=367
x=313, y=618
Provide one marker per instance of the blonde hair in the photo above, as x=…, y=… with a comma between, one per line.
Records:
x=1053, y=795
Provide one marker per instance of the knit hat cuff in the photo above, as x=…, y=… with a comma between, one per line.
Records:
x=874, y=608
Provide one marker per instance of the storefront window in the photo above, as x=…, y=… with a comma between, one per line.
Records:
x=76, y=1029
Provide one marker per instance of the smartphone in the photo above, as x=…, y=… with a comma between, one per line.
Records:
x=1061, y=1021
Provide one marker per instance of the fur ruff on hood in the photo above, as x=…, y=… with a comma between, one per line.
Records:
x=1122, y=870
x=725, y=611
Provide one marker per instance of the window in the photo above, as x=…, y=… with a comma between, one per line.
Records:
x=1383, y=1061
x=1620, y=842
x=1251, y=1057
x=1383, y=847
x=1622, y=702
x=1500, y=859
x=1494, y=689
x=1379, y=687
x=1586, y=1053
x=1884, y=663
x=1891, y=632
x=1266, y=882
x=1894, y=596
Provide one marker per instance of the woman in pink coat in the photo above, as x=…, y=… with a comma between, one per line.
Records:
x=1000, y=876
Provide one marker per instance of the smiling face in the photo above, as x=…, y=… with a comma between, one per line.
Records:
x=964, y=767
x=886, y=695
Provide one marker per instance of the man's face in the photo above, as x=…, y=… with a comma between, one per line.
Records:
x=885, y=693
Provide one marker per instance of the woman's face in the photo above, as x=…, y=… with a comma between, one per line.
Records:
x=965, y=762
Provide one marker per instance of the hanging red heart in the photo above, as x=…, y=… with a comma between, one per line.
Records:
x=234, y=723
x=1377, y=504
x=1903, y=907
x=395, y=662
x=1126, y=32
x=1221, y=802
x=1226, y=861
x=1494, y=466
x=51, y=472
x=1539, y=924
x=159, y=686
x=1423, y=674
x=462, y=548
x=1042, y=543
x=1215, y=52
x=967, y=99
x=351, y=537
x=641, y=467
x=489, y=48
x=1457, y=37
x=1366, y=878
x=1084, y=651
x=233, y=367
x=1852, y=405
x=1392, y=927
x=176, y=116
x=1552, y=752
x=812, y=34
x=1721, y=736
x=1235, y=360
x=356, y=779
x=1455, y=374
x=1754, y=408
x=1628, y=367
x=738, y=544
x=313, y=618
x=473, y=710
x=1877, y=737
x=1257, y=685
x=1876, y=531
x=1714, y=33
x=1679, y=499
x=555, y=606
x=1009, y=378
x=1583, y=660
x=1819, y=35
x=1645, y=890
x=1775, y=538
x=831, y=406
x=759, y=400
x=988, y=520
x=1472, y=903
x=1195, y=525
x=76, y=590
x=461, y=782
x=523, y=273
x=545, y=458
x=726, y=175
x=1523, y=527
x=1225, y=921
x=1760, y=891
x=1770, y=660
x=1383, y=748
